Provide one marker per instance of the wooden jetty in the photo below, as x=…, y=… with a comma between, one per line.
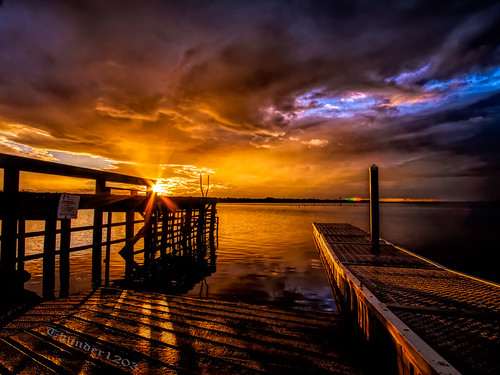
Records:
x=160, y=229
x=439, y=321
x=122, y=331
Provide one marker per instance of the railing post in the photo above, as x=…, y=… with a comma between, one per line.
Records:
x=148, y=240
x=21, y=276
x=64, y=267
x=107, y=258
x=49, y=258
x=9, y=226
x=187, y=233
x=100, y=188
x=129, y=252
x=200, y=231
x=211, y=234
x=164, y=234
x=374, y=206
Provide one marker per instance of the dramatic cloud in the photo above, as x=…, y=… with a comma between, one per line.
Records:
x=270, y=97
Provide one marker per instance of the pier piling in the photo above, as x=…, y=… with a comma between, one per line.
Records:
x=374, y=207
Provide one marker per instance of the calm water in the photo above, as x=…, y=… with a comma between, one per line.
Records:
x=266, y=253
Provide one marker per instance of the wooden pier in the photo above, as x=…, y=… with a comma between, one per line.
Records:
x=162, y=230
x=439, y=321
x=115, y=331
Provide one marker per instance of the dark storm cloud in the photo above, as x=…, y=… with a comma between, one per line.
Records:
x=106, y=78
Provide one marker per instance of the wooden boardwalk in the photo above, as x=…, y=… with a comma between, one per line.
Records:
x=122, y=331
x=441, y=321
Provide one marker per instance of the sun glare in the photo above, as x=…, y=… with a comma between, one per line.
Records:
x=160, y=189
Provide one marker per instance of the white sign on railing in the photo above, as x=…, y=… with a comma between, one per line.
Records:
x=68, y=206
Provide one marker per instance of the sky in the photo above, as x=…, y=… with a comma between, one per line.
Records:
x=271, y=98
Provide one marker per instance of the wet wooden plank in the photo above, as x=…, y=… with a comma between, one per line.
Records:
x=126, y=331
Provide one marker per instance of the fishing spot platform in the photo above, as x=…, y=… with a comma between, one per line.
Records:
x=439, y=321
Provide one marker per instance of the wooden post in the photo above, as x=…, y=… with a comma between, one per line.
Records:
x=100, y=188
x=20, y=279
x=164, y=234
x=211, y=234
x=64, y=267
x=187, y=232
x=148, y=240
x=107, y=259
x=49, y=259
x=21, y=245
x=200, y=231
x=374, y=206
x=9, y=225
x=129, y=252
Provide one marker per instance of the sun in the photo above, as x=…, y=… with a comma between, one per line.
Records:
x=160, y=189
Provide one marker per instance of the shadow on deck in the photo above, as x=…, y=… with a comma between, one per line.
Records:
x=115, y=331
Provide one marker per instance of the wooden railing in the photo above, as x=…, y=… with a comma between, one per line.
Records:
x=170, y=227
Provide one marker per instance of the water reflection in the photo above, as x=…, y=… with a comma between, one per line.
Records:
x=175, y=274
x=266, y=253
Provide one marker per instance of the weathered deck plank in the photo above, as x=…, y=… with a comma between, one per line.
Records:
x=116, y=331
x=446, y=319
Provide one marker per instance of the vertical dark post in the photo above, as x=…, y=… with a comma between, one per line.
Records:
x=9, y=224
x=211, y=234
x=188, y=231
x=21, y=245
x=148, y=229
x=164, y=234
x=108, y=249
x=129, y=252
x=100, y=188
x=217, y=232
x=49, y=258
x=200, y=231
x=64, y=257
x=374, y=206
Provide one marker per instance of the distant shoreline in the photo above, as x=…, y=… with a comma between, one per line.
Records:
x=340, y=201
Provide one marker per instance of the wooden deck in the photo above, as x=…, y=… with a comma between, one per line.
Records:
x=441, y=321
x=122, y=331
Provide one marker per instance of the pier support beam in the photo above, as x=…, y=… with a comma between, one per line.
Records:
x=100, y=188
x=9, y=224
x=49, y=258
x=64, y=267
x=129, y=244
x=374, y=206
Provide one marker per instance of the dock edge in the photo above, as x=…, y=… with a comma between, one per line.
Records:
x=414, y=355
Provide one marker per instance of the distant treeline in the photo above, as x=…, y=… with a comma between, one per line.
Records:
x=286, y=200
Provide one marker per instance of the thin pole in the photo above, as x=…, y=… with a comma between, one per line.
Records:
x=374, y=206
x=108, y=249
